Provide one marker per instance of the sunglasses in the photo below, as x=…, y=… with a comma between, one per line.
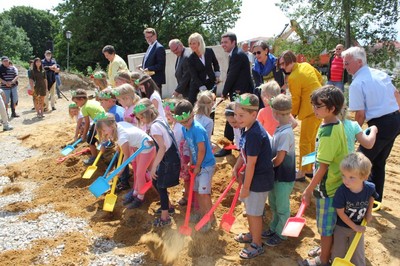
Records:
x=258, y=52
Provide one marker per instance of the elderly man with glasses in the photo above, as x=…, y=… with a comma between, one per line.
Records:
x=182, y=73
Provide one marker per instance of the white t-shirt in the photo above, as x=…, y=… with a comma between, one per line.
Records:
x=156, y=96
x=157, y=129
x=178, y=134
x=131, y=134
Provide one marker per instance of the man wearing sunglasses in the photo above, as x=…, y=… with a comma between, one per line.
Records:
x=182, y=73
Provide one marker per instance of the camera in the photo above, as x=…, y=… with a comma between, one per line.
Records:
x=46, y=68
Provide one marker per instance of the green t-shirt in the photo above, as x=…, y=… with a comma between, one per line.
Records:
x=331, y=147
x=92, y=108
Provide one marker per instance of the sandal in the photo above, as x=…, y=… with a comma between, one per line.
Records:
x=158, y=222
x=311, y=262
x=315, y=251
x=183, y=202
x=243, y=238
x=171, y=211
x=254, y=252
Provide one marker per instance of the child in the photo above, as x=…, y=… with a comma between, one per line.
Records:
x=270, y=90
x=354, y=132
x=38, y=82
x=184, y=153
x=127, y=97
x=90, y=109
x=108, y=101
x=122, y=77
x=166, y=165
x=353, y=201
x=331, y=148
x=128, y=138
x=76, y=114
x=202, y=111
x=100, y=80
x=230, y=117
x=149, y=89
x=255, y=150
x=201, y=158
x=284, y=162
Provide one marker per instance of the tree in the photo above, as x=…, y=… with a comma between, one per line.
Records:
x=40, y=26
x=14, y=41
x=95, y=24
x=351, y=22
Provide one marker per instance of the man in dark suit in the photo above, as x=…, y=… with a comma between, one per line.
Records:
x=182, y=73
x=154, y=59
x=238, y=79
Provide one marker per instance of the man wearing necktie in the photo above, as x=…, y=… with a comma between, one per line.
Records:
x=182, y=73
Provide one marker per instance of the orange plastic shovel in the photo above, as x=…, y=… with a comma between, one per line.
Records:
x=350, y=252
x=111, y=198
x=207, y=216
x=294, y=225
x=185, y=228
x=228, y=219
x=92, y=168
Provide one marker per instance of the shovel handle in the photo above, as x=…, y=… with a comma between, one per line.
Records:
x=354, y=243
x=130, y=158
x=111, y=163
x=237, y=193
x=97, y=158
x=114, y=184
x=62, y=159
x=76, y=142
x=301, y=209
x=190, y=198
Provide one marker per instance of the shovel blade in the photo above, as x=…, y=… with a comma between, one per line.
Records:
x=109, y=202
x=99, y=187
x=293, y=226
x=227, y=222
x=185, y=230
x=341, y=262
x=67, y=150
x=89, y=172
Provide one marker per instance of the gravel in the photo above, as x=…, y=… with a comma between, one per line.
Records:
x=13, y=152
x=17, y=233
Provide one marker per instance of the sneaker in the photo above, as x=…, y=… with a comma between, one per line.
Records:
x=8, y=127
x=136, y=203
x=171, y=211
x=267, y=234
x=158, y=222
x=15, y=115
x=129, y=198
x=273, y=241
x=89, y=161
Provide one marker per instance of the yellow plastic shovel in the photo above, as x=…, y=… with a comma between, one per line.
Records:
x=111, y=198
x=92, y=168
x=350, y=252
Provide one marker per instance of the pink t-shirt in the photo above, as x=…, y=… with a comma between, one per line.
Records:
x=267, y=120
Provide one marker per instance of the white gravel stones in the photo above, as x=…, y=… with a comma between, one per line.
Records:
x=13, y=152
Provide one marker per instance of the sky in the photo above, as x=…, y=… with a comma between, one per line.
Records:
x=248, y=26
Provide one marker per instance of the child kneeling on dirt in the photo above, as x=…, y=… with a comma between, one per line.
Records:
x=90, y=109
x=255, y=149
x=202, y=159
x=353, y=202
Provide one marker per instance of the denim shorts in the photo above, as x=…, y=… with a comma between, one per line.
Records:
x=202, y=182
x=14, y=91
x=326, y=216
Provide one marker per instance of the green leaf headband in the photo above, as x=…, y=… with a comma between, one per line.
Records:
x=139, y=108
x=115, y=92
x=73, y=93
x=137, y=82
x=98, y=76
x=244, y=102
x=101, y=116
x=169, y=106
x=105, y=95
x=270, y=102
x=73, y=105
x=183, y=116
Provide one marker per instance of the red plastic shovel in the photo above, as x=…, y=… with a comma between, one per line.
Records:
x=62, y=159
x=185, y=228
x=207, y=216
x=294, y=225
x=227, y=218
x=230, y=147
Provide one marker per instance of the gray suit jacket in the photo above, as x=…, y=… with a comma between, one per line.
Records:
x=182, y=73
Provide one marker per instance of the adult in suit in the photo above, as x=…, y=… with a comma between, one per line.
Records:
x=154, y=59
x=238, y=79
x=182, y=73
x=203, y=67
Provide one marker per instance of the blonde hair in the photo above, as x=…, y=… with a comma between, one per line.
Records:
x=198, y=38
x=123, y=75
x=110, y=122
x=101, y=82
x=204, y=103
x=282, y=103
x=271, y=89
x=150, y=113
x=127, y=90
x=358, y=164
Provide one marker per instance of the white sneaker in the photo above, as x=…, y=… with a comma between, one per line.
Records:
x=7, y=127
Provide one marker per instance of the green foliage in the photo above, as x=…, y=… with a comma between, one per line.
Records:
x=120, y=23
x=40, y=26
x=14, y=41
x=351, y=22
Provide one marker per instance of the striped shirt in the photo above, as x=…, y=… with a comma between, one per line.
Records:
x=337, y=69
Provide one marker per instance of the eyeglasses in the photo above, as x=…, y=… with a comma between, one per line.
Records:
x=175, y=50
x=258, y=52
x=318, y=106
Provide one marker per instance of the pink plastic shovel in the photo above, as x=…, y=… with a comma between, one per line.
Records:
x=207, y=216
x=294, y=225
x=185, y=228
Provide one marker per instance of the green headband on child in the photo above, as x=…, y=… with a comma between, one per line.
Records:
x=105, y=95
x=139, y=108
x=72, y=105
x=98, y=76
x=182, y=117
x=169, y=106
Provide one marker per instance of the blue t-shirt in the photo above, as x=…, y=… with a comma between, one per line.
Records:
x=255, y=142
x=355, y=204
x=118, y=112
x=195, y=135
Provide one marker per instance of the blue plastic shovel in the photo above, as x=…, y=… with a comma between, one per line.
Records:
x=101, y=184
x=69, y=148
